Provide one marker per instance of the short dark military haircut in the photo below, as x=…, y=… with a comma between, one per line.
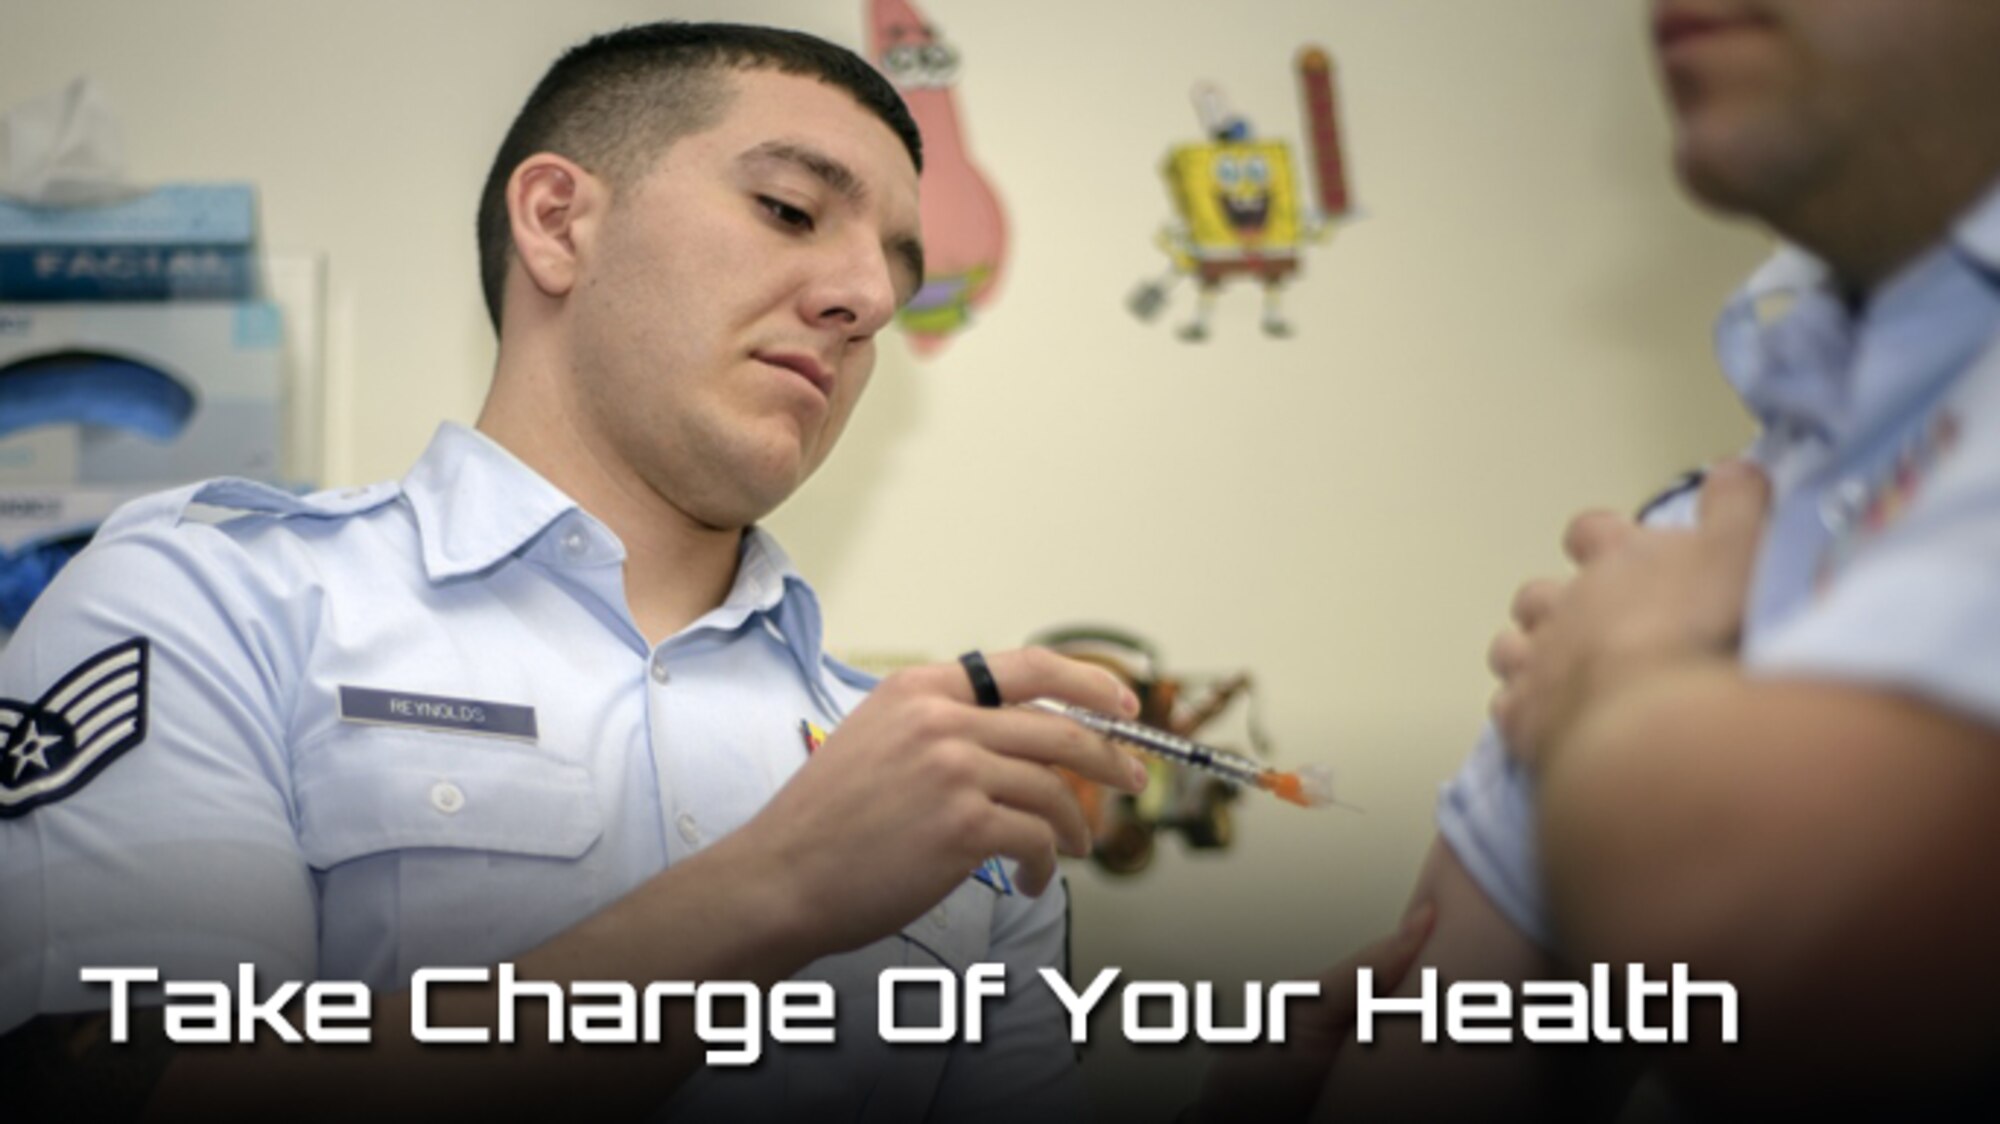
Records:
x=614, y=103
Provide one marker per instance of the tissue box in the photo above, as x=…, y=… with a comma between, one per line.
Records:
x=176, y=242
x=137, y=397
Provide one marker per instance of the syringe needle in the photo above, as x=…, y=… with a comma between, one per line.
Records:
x=1308, y=787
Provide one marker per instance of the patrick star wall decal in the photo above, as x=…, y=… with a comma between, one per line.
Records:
x=965, y=232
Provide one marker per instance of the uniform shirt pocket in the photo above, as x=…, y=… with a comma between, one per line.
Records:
x=437, y=849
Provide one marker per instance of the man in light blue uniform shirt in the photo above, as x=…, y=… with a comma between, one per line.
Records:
x=1760, y=733
x=553, y=698
x=1860, y=418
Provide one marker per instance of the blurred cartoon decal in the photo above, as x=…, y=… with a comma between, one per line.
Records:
x=1186, y=802
x=965, y=232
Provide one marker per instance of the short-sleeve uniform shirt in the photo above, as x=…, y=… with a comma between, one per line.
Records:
x=351, y=735
x=1880, y=431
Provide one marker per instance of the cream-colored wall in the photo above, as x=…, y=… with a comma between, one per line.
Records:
x=1517, y=328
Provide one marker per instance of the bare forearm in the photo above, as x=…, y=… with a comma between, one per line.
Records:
x=1656, y=825
x=1705, y=815
x=1822, y=846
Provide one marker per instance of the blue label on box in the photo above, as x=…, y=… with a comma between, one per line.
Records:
x=177, y=242
x=67, y=273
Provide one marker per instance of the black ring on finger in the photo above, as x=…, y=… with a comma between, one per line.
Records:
x=985, y=691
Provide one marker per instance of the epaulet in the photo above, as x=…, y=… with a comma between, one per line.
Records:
x=219, y=501
x=224, y=500
x=1690, y=481
x=855, y=678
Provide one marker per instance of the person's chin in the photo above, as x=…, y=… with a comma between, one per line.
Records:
x=740, y=508
x=1706, y=182
x=769, y=477
x=1726, y=166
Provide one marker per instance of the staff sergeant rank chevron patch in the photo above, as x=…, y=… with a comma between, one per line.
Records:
x=51, y=747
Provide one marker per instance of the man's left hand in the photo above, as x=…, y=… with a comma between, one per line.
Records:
x=1641, y=598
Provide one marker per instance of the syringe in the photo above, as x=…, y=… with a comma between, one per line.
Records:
x=1308, y=787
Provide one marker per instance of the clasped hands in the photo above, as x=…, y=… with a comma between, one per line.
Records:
x=1642, y=599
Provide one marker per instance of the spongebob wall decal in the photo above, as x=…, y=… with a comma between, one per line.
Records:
x=1241, y=207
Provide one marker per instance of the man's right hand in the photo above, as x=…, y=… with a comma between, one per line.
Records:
x=919, y=785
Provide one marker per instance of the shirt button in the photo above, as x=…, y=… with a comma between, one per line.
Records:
x=690, y=831
x=1839, y=508
x=575, y=544
x=447, y=798
x=941, y=915
x=659, y=670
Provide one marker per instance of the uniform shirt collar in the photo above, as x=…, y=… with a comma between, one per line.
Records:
x=1977, y=236
x=477, y=504
x=769, y=593
x=1803, y=359
x=765, y=578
